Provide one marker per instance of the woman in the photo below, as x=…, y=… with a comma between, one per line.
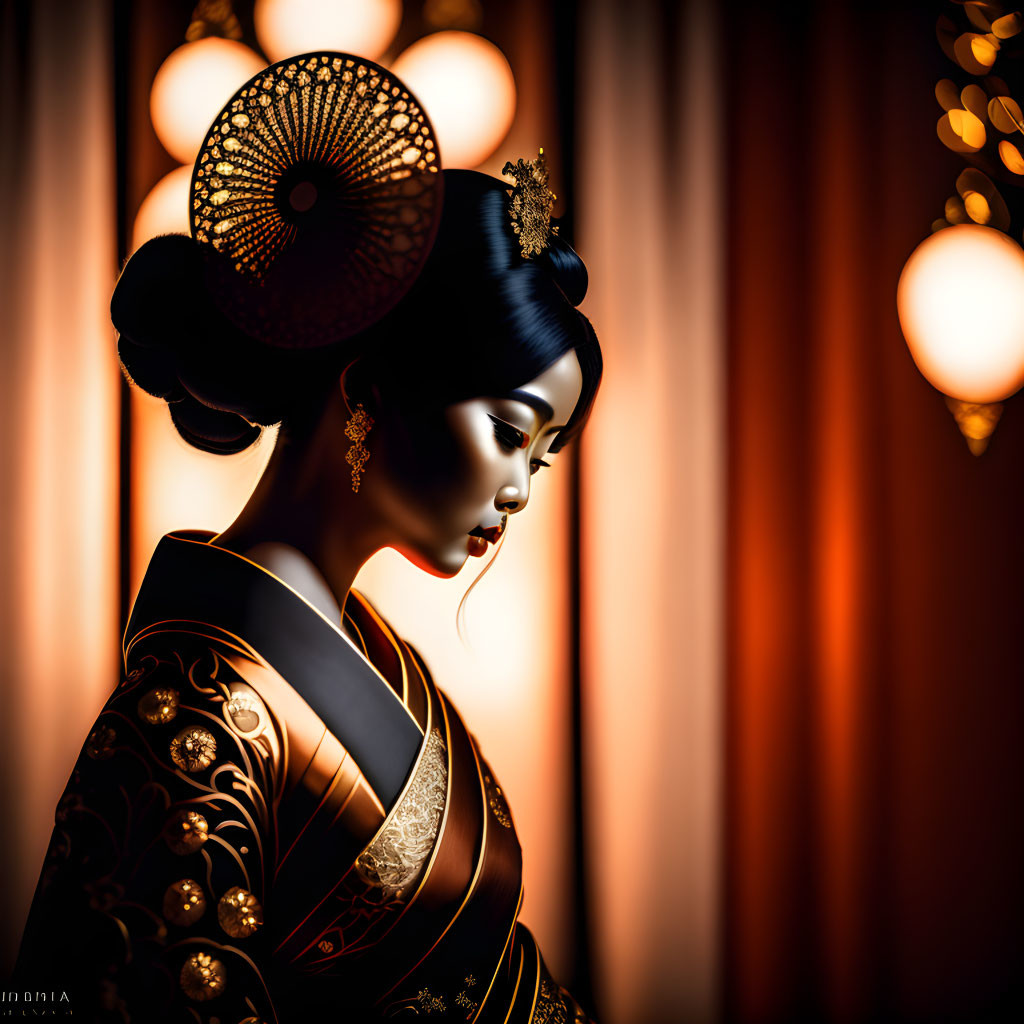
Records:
x=277, y=815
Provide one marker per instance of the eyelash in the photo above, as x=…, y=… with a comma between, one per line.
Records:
x=508, y=436
x=513, y=439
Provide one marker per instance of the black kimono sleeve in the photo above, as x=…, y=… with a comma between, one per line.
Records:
x=150, y=905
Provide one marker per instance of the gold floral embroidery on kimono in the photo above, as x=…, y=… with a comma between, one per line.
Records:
x=270, y=822
x=397, y=856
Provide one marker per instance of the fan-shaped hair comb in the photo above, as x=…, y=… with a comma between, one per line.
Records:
x=316, y=198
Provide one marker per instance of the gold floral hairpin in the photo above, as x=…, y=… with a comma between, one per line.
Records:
x=531, y=204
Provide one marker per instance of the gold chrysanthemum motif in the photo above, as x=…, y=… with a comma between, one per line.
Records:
x=395, y=858
x=318, y=183
x=239, y=912
x=184, y=902
x=194, y=749
x=246, y=711
x=159, y=706
x=531, y=204
x=100, y=743
x=186, y=832
x=202, y=977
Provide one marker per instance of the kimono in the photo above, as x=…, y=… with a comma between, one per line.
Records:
x=271, y=822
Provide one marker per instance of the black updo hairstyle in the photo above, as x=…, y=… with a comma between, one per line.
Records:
x=479, y=320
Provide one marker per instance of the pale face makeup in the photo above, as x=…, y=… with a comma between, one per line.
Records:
x=446, y=488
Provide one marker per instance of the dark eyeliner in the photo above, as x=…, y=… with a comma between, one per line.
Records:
x=511, y=437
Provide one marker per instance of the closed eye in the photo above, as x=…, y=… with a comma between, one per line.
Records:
x=509, y=437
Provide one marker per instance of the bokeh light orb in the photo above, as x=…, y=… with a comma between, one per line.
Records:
x=192, y=86
x=961, y=306
x=286, y=28
x=467, y=88
x=165, y=208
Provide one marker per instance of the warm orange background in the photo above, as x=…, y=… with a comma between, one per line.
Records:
x=798, y=767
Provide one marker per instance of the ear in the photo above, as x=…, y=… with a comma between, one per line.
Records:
x=356, y=390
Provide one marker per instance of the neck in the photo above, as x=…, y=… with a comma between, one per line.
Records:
x=304, y=524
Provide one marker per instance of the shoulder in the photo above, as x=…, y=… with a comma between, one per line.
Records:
x=162, y=844
x=183, y=738
x=183, y=702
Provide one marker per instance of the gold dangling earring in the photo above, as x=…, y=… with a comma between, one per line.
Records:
x=359, y=425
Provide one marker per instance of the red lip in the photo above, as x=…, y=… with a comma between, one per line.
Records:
x=491, y=534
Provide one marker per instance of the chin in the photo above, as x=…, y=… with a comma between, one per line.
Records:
x=441, y=562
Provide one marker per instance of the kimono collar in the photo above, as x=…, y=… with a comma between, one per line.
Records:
x=192, y=580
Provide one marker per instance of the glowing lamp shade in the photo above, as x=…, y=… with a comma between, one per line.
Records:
x=467, y=88
x=190, y=88
x=165, y=208
x=286, y=28
x=961, y=306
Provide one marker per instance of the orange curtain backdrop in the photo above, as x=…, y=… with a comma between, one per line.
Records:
x=59, y=409
x=875, y=719
x=652, y=505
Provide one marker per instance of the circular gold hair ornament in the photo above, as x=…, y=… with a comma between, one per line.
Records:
x=316, y=197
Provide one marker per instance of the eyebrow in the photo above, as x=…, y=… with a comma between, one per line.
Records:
x=534, y=401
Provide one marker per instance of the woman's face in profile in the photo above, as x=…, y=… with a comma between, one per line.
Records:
x=444, y=481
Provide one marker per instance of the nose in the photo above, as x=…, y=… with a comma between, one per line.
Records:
x=511, y=498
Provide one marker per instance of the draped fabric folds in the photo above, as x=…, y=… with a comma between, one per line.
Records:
x=59, y=382
x=649, y=209
x=233, y=837
x=860, y=860
x=875, y=716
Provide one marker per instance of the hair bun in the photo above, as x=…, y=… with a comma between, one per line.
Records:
x=175, y=346
x=151, y=299
x=565, y=266
x=212, y=430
